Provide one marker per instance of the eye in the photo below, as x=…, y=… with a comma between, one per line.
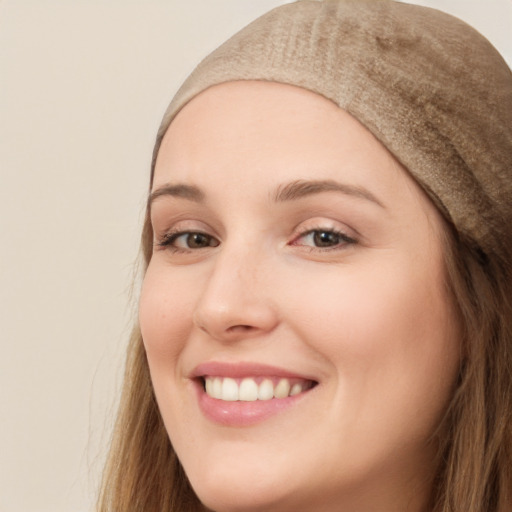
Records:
x=323, y=239
x=188, y=240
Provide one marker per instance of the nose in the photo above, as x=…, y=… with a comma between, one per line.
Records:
x=236, y=301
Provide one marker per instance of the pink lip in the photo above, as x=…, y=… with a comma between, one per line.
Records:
x=242, y=414
x=241, y=370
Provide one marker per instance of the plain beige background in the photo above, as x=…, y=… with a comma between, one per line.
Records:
x=83, y=84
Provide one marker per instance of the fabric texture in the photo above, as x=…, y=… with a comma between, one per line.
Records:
x=432, y=89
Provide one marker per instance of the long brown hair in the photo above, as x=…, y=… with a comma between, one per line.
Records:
x=475, y=437
x=475, y=469
x=142, y=472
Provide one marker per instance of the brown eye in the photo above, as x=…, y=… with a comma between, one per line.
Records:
x=199, y=241
x=326, y=238
x=188, y=240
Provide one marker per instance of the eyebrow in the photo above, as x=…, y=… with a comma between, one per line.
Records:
x=287, y=192
x=303, y=188
x=190, y=192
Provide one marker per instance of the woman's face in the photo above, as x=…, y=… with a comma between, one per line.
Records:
x=295, y=257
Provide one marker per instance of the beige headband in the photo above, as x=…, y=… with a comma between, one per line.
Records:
x=428, y=86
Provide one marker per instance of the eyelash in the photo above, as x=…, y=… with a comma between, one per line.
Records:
x=343, y=241
x=168, y=240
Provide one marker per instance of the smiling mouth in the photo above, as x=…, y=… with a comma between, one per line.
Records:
x=251, y=389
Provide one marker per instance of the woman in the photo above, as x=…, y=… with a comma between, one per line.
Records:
x=326, y=313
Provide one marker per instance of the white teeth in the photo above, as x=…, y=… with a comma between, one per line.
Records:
x=209, y=386
x=248, y=390
x=282, y=390
x=296, y=389
x=216, y=387
x=266, y=390
x=229, y=390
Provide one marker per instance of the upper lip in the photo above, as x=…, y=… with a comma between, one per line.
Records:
x=241, y=370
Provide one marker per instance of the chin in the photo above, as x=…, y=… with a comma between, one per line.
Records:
x=230, y=493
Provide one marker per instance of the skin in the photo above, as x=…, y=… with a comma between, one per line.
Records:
x=367, y=317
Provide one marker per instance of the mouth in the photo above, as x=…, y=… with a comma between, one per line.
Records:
x=244, y=394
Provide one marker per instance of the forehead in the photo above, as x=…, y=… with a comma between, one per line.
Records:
x=259, y=134
x=253, y=109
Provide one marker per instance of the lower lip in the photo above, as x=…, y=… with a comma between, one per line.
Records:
x=243, y=414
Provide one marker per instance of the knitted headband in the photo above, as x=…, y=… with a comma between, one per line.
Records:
x=433, y=90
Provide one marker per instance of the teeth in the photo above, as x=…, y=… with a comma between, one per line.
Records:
x=229, y=390
x=217, y=388
x=248, y=390
x=282, y=390
x=208, y=384
x=266, y=390
x=296, y=389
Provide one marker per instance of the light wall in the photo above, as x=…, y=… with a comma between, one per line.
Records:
x=83, y=84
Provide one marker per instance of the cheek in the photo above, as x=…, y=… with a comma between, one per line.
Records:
x=366, y=312
x=390, y=334
x=164, y=315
